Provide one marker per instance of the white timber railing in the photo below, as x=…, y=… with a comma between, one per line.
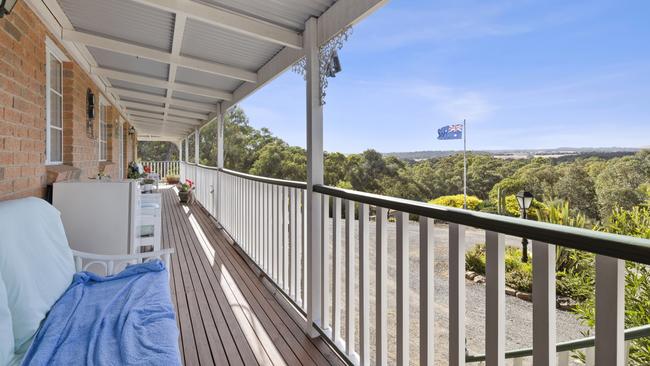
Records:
x=266, y=218
x=163, y=168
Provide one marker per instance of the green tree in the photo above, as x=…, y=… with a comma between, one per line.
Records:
x=617, y=186
x=577, y=187
x=157, y=151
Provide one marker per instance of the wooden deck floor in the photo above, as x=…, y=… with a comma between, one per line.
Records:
x=225, y=313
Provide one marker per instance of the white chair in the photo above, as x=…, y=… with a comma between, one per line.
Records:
x=149, y=223
x=37, y=266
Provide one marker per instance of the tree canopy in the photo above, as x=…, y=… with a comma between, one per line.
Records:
x=593, y=185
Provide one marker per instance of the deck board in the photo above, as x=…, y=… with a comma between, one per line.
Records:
x=225, y=313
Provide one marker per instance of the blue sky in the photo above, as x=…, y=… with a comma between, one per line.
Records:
x=525, y=74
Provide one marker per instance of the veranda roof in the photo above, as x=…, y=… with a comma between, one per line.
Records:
x=172, y=65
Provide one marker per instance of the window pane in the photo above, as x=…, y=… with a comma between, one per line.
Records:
x=55, y=74
x=55, y=110
x=55, y=145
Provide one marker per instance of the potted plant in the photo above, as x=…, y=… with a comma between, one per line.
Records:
x=147, y=184
x=185, y=190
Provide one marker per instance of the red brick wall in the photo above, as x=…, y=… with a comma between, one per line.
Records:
x=22, y=111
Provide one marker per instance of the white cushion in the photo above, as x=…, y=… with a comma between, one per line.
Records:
x=36, y=263
x=6, y=332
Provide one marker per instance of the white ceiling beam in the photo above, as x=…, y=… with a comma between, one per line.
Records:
x=126, y=93
x=171, y=123
x=153, y=125
x=113, y=45
x=235, y=22
x=146, y=80
x=133, y=113
x=158, y=138
x=131, y=77
x=182, y=113
x=158, y=117
x=202, y=91
x=179, y=31
x=152, y=108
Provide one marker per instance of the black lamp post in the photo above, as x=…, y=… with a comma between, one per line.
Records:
x=524, y=199
x=6, y=6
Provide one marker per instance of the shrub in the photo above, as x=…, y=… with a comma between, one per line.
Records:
x=457, y=201
x=634, y=222
x=475, y=259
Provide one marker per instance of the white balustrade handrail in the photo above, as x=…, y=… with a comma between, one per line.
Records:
x=267, y=219
x=163, y=168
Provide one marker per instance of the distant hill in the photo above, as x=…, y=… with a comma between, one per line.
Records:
x=560, y=152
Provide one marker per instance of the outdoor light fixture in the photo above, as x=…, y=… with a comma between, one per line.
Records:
x=334, y=66
x=131, y=131
x=6, y=6
x=524, y=199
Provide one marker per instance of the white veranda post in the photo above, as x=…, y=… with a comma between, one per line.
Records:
x=187, y=150
x=220, y=147
x=196, y=145
x=314, y=174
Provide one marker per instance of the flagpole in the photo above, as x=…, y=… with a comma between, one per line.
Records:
x=464, y=165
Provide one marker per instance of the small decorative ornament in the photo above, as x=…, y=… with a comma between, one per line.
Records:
x=6, y=6
x=330, y=64
x=90, y=114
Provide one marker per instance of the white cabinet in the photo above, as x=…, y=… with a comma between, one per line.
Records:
x=99, y=216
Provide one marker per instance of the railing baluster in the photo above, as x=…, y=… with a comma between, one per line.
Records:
x=610, y=311
x=336, y=270
x=325, y=264
x=299, y=249
x=427, y=336
x=456, y=295
x=260, y=226
x=278, y=233
x=274, y=233
x=285, y=229
x=544, y=336
x=269, y=228
x=294, y=244
x=349, y=277
x=495, y=299
x=381, y=271
x=305, y=283
x=280, y=236
x=403, y=255
x=364, y=286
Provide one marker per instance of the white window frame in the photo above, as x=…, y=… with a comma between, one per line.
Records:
x=102, y=127
x=52, y=51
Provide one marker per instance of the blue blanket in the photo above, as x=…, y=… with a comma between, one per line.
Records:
x=125, y=319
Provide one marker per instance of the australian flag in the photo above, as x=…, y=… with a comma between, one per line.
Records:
x=451, y=132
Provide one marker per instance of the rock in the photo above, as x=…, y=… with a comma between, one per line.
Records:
x=525, y=296
x=511, y=291
x=479, y=279
x=470, y=275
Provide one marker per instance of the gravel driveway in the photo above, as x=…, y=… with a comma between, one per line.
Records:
x=518, y=312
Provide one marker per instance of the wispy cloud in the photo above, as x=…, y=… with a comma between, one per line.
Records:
x=465, y=20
